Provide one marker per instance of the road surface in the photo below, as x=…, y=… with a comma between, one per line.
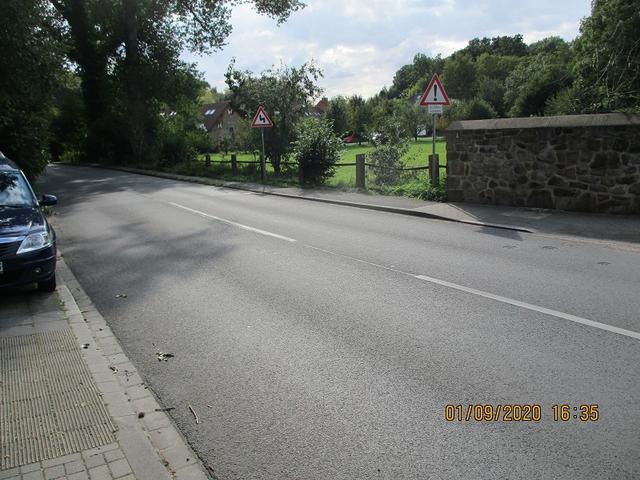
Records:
x=324, y=342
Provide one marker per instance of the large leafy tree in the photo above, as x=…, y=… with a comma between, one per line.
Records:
x=529, y=86
x=128, y=57
x=338, y=114
x=286, y=93
x=30, y=66
x=608, y=57
x=460, y=76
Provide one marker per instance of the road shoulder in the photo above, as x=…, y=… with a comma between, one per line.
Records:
x=135, y=439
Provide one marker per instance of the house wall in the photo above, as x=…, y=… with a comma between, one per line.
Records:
x=227, y=123
x=581, y=162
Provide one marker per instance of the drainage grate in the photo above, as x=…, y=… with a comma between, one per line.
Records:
x=49, y=403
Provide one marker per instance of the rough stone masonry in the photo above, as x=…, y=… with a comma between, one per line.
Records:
x=587, y=163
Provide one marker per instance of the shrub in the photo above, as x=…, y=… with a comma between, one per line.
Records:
x=386, y=158
x=316, y=150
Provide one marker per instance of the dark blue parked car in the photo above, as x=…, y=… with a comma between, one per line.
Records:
x=27, y=241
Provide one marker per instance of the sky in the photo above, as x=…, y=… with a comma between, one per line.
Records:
x=359, y=44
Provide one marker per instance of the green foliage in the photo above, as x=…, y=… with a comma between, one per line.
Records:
x=608, y=57
x=417, y=186
x=391, y=144
x=460, y=76
x=128, y=57
x=68, y=129
x=504, y=45
x=286, y=93
x=533, y=82
x=29, y=72
x=338, y=114
x=316, y=150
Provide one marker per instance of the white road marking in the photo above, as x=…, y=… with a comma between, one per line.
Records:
x=529, y=306
x=497, y=298
x=235, y=224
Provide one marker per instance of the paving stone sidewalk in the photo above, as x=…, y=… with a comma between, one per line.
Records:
x=72, y=405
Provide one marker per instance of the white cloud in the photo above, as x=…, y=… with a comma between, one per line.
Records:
x=361, y=43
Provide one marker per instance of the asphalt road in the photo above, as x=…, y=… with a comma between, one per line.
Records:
x=324, y=342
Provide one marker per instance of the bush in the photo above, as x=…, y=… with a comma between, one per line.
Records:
x=316, y=150
x=386, y=158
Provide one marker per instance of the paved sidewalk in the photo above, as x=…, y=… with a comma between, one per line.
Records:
x=600, y=228
x=71, y=403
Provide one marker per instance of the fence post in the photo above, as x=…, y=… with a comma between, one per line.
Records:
x=234, y=165
x=360, y=182
x=207, y=160
x=434, y=169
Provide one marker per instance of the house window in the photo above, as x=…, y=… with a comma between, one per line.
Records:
x=211, y=111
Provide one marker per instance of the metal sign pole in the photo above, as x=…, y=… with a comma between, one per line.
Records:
x=263, y=164
x=435, y=120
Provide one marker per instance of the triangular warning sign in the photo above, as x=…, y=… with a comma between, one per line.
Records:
x=261, y=119
x=435, y=93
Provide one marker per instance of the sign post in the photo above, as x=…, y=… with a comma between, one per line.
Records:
x=261, y=120
x=434, y=97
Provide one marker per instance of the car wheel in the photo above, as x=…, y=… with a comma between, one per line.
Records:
x=47, y=285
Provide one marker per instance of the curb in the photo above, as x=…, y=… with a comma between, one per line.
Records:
x=153, y=446
x=264, y=191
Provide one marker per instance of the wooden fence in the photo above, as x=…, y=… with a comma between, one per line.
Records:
x=359, y=165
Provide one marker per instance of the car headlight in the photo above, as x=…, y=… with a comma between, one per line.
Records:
x=35, y=241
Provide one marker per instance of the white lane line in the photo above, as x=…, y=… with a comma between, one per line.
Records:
x=235, y=224
x=497, y=298
x=529, y=306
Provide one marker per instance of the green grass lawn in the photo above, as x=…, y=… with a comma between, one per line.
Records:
x=416, y=156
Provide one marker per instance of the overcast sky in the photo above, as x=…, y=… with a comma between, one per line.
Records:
x=359, y=44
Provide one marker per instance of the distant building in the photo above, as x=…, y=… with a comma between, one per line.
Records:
x=320, y=107
x=220, y=121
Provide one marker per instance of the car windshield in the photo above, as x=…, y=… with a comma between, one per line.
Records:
x=14, y=191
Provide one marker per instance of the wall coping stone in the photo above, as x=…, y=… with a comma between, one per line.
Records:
x=561, y=121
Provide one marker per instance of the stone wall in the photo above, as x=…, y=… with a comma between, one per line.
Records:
x=587, y=163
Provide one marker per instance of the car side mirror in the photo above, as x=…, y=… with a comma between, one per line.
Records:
x=48, y=200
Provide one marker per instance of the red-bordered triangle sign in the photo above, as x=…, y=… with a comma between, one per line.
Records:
x=435, y=93
x=261, y=119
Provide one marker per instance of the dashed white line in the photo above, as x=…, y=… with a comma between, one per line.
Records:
x=529, y=306
x=235, y=224
x=497, y=298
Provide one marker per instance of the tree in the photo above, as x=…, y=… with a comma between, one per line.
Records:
x=412, y=117
x=359, y=117
x=316, y=150
x=533, y=82
x=29, y=74
x=128, y=54
x=286, y=93
x=460, y=77
x=337, y=113
x=608, y=57
x=390, y=146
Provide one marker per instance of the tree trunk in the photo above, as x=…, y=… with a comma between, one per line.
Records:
x=93, y=74
x=135, y=103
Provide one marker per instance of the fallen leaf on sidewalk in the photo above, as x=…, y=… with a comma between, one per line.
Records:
x=115, y=369
x=121, y=295
x=85, y=345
